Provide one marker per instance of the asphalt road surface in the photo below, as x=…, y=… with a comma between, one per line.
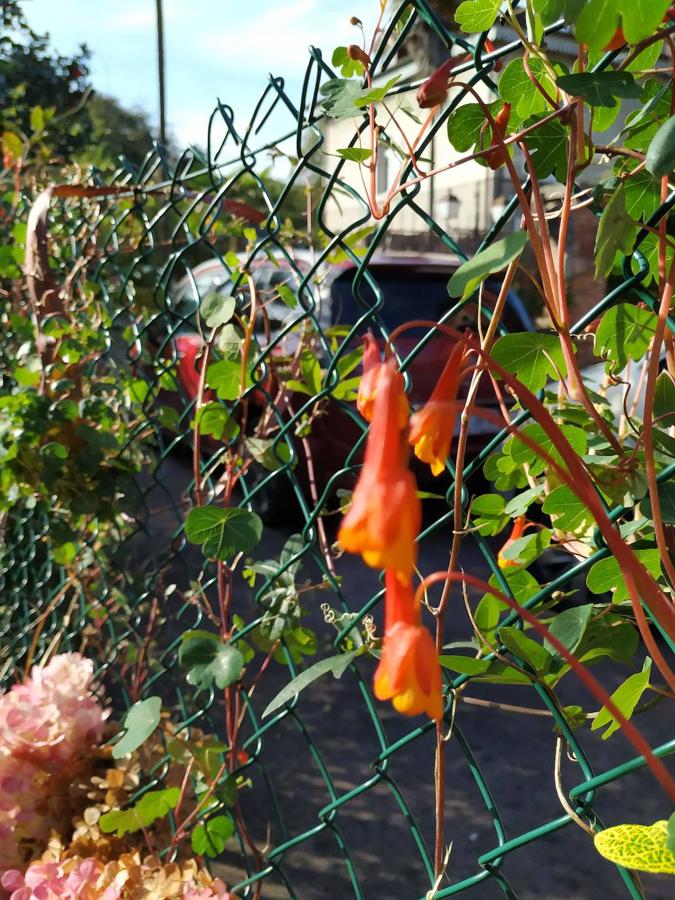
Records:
x=515, y=752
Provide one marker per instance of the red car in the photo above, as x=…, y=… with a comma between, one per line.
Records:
x=397, y=289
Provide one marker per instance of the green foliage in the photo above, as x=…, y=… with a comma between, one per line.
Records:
x=625, y=698
x=660, y=159
x=349, y=68
x=139, y=723
x=210, y=837
x=152, y=806
x=606, y=574
x=209, y=661
x=355, y=154
x=533, y=358
x=516, y=88
x=616, y=234
x=337, y=665
x=492, y=259
x=600, y=88
x=644, y=848
x=477, y=15
x=222, y=532
x=597, y=20
x=624, y=333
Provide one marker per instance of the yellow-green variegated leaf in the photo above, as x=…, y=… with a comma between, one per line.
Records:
x=641, y=847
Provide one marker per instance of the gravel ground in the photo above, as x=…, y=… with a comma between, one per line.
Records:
x=515, y=753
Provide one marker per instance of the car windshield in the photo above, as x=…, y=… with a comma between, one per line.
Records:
x=408, y=292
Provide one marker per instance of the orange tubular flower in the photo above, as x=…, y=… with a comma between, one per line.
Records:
x=385, y=514
x=432, y=427
x=373, y=367
x=409, y=673
x=519, y=526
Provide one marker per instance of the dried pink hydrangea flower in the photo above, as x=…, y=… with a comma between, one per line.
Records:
x=48, y=725
x=53, y=717
x=50, y=880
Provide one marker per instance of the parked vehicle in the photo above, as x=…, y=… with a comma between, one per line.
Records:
x=398, y=289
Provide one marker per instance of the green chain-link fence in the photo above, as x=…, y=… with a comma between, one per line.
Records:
x=316, y=777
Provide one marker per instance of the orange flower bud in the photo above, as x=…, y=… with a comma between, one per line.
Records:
x=356, y=53
x=370, y=380
x=434, y=91
x=409, y=673
x=498, y=154
x=432, y=427
x=385, y=514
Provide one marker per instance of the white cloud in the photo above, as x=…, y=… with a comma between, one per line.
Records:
x=141, y=17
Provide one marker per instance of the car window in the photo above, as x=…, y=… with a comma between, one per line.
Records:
x=408, y=292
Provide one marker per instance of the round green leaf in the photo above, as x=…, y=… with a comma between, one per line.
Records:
x=139, y=722
x=209, y=838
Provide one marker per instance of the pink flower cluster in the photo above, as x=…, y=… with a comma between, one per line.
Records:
x=49, y=880
x=89, y=879
x=47, y=726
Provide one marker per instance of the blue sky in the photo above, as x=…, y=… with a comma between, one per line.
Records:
x=214, y=48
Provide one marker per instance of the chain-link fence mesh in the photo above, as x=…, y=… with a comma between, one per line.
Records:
x=331, y=772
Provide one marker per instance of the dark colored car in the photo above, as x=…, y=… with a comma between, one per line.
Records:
x=402, y=288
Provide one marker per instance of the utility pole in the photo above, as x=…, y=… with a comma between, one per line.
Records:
x=160, y=67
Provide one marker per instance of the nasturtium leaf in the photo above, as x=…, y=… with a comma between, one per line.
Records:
x=660, y=159
x=465, y=665
x=625, y=332
x=566, y=510
x=229, y=343
x=269, y=455
x=354, y=154
x=216, y=309
x=492, y=259
x=625, y=698
x=287, y=295
x=223, y=532
x=209, y=838
x=525, y=550
x=340, y=95
x=152, y=806
x=334, y=664
x=519, y=505
x=224, y=377
x=210, y=661
x=487, y=514
x=598, y=20
x=641, y=195
x=374, y=95
x=548, y=146
x=214, y=420
x=516, y=88
x=525, y=648
x=467, y=124
x=522, y=454
x=477, y=15
x=616, y=234
x=533, y=358
x=349, y=67
x=645, y=848
x=647, y=59
x=607, y=575
x=608, y=636
x=569, y=627
x=600, y=88
x=139, y=723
